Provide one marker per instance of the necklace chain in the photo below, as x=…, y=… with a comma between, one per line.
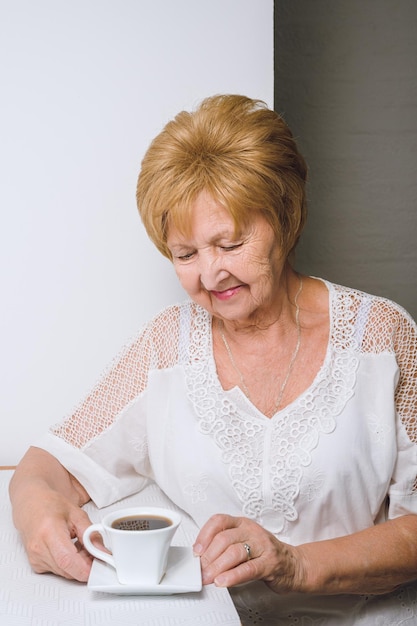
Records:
x=293, y=357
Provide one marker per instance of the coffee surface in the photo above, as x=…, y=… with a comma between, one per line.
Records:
x=150, y=522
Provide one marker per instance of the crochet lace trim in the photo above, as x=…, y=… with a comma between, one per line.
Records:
x=265, y=456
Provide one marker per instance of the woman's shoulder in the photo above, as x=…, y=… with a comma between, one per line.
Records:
x=383, y=320
x=355, y=295
x=165, y=340
x=179, y=333
x=175, y=315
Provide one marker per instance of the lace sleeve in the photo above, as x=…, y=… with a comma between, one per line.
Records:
x=155, y=347
x=388, y=328
x=405, y=346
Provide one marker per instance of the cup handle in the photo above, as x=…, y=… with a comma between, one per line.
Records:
x=100, y=554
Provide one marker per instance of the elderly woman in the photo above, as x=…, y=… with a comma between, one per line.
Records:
x=278, y=410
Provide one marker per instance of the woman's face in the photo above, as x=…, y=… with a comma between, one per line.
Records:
x=234, y=277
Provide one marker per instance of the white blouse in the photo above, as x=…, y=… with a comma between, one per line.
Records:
x=340, y=458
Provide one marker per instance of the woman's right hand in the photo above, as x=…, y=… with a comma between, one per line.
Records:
x=52, y=533
x=46, y=502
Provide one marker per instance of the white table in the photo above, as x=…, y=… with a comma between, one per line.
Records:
x=29, y=599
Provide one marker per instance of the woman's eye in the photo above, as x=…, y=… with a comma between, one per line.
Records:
x=185, y=257
x=231, y=247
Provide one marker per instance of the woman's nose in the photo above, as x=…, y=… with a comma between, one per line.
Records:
x=211, y=271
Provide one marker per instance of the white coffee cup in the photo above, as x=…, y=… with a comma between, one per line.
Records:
x=139, y=539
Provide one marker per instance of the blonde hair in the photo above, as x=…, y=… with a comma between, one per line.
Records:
x=241, y=153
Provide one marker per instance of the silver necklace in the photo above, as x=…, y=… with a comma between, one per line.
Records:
x=292, y=361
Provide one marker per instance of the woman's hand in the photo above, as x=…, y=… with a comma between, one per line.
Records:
x=51, y=528
x=223, y=544
x=374, y=560
x=47, y=502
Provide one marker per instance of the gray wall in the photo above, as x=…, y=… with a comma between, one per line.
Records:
x=346, y=82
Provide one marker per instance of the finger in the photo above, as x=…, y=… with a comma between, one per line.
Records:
x=59, y=550
x=215, y=525
x=226, y=558
x=80, y=523
x=70, y=560
x=79, y=563
x=221, y=543
x=70, y=563
x=242, y=573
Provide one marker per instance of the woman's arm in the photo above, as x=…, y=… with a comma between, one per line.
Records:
x=46, y=503
x=375, y=560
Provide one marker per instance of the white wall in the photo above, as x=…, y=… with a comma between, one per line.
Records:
x=85, y=85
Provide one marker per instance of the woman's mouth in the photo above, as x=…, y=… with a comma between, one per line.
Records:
x=226, y=294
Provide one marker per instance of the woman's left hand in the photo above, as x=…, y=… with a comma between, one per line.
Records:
x=237, y=550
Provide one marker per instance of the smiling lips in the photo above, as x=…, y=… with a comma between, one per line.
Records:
x=227, y=293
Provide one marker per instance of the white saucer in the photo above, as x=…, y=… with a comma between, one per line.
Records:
x=183, y=575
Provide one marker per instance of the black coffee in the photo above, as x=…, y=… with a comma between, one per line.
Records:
x=150, y=522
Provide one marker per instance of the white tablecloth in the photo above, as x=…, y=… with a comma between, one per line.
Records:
x=28, y=599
